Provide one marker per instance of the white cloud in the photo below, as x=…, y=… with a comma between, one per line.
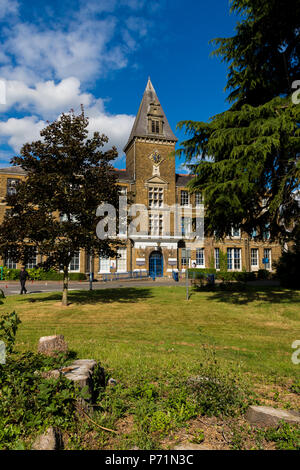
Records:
x=116, y=127
x=8, y=7
x=47, y=99
x=84, y=51
x=22, y=130
x=27, y=129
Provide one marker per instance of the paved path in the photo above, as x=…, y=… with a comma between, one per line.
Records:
x=37, y=287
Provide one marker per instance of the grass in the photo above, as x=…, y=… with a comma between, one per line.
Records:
x=151, y=340
x=155, y=332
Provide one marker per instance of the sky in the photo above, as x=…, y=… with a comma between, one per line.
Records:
x=56, y=55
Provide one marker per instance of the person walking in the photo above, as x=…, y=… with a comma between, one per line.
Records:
x=23, y=277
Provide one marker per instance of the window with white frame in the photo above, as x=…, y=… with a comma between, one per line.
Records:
x=254, y=257
x=267, y=255
x=31, y=262
x=200, y=261
x=184, y=198
x=237, y=258
x=75, y=262
x=66, y=218
x=185, y=257
x=156, y=224
x=122, y=260
x=234, y=259
x=229, y=258
x=11, y=187
x=236, y=232
x=155, y=197
x=198, y=199
x=104, y=264
x=186, y=226
x=217, y=258
x=122, y=216
x=9, y=263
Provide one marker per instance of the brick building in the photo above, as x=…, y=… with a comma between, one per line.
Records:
x=150, y=180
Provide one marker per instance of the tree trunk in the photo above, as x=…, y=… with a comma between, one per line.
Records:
x=65, y=286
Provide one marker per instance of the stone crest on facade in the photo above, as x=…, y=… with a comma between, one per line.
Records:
x=156, y=158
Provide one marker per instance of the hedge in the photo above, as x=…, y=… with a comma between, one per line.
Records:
x=39, y=274
x=241, y=276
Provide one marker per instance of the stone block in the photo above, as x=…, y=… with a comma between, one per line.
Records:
x=51, y=345
x=268, y=416
x=49, y=440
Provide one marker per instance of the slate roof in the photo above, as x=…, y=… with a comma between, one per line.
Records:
x=13, y=170
x=123, y=175
x=140, y=126
x=183, y=180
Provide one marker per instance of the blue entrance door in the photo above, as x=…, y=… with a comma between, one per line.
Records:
x=156, y=264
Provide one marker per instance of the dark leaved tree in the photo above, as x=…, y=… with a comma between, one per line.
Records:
x=246, y=160
x=54, y=210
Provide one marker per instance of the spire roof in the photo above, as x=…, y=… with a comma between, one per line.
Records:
x=140, y=127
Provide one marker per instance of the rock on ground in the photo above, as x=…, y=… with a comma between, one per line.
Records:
x=49, y=440
x=268, y=416
x=51, y=345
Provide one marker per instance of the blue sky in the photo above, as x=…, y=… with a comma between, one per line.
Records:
x=56, y=55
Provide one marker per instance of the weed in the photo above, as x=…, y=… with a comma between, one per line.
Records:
x=285, y=436
x=219, y=390
x=198, y=436
x=295, y=388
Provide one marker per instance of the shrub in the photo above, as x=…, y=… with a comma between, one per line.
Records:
x=229, y=276
x=285, y=436
x=219, y=391
x=8, y=329
x=10, y=274
x=77, y=276
x=263, y=274
x=30, y=403
x=295, y=387
x=198, y=273
x=40, y=274
x=288, y=268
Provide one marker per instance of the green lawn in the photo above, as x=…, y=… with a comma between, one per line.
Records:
x=150, y=333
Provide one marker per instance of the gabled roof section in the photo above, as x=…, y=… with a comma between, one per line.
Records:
x=13, y=170
x=183, y=180
x=140, y=126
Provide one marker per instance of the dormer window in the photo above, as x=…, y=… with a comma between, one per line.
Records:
x=155, y=118
x=155, y=127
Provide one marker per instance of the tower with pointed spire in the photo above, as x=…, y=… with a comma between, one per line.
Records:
x=150, y=149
